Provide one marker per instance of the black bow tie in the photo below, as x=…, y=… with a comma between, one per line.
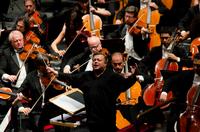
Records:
x=20, y=50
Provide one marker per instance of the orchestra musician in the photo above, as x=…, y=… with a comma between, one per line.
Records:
x=36, y=85
x=118, y=66
x=104, y=9
x=70, y=29
x=136, y=42
x=186, y=22
x=100, y=87
x=94, y=45
x=154, y=4
x=180, y=83
x=11, y=65
x=37, y=21
x=178, y=54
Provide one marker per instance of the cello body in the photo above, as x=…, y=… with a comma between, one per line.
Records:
x=190, y=119
x=152, y=93
x=151, y=18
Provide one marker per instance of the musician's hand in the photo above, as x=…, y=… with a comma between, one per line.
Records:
x=184, y=35
x=24, y=110
x=92, y=9
x=144, y=30
x=11, y=78
x=51, y=70
x=172, y=56
x=153, y=5
x=67, y=69
x=60, y=52
x=163, y=96
x=118, y=22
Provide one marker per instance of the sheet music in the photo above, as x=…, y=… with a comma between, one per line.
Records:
x=67, y=103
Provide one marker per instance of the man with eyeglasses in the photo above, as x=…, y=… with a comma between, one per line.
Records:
x=78, y=63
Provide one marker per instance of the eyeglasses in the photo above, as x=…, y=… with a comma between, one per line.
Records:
x=128, y=16
x=94, y=47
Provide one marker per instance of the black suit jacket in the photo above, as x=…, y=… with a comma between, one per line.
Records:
x=78, y=59
x=179, y=83
x=140, y=45
x=31, y=88
x=10, y=65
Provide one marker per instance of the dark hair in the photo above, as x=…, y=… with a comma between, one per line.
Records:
x=132, y=9
x=41, y=60
x=25, y=21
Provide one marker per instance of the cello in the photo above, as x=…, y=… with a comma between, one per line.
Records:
x=152, y=93
x=93, y=23
x=151, y=18
x=129, y=97
x=190, y=119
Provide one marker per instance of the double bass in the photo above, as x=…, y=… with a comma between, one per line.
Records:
x=190, y=118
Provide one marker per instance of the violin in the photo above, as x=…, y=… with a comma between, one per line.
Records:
x=35, y=21
x=135, y=29
x=50, y=79
x=30, y=51
x=5, y=93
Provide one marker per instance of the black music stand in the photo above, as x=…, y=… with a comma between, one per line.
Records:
x=114, y=45
x=109, y=28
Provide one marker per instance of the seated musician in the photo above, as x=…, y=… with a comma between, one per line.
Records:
x=178, y=54
x=39, y=86
x=71, y=30
x=94, y=45
x=100, y=87
x=37, y=21
x=154, y=4
x=136, y=42
x=180, y=83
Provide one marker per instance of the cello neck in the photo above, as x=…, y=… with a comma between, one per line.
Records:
x=196, y=97
x=91, y=18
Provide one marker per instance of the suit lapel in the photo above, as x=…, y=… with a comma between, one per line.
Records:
x=14, y=57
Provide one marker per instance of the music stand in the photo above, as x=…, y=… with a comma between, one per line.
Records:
x=71, y=101
x=114, y=45
x=109, y=28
